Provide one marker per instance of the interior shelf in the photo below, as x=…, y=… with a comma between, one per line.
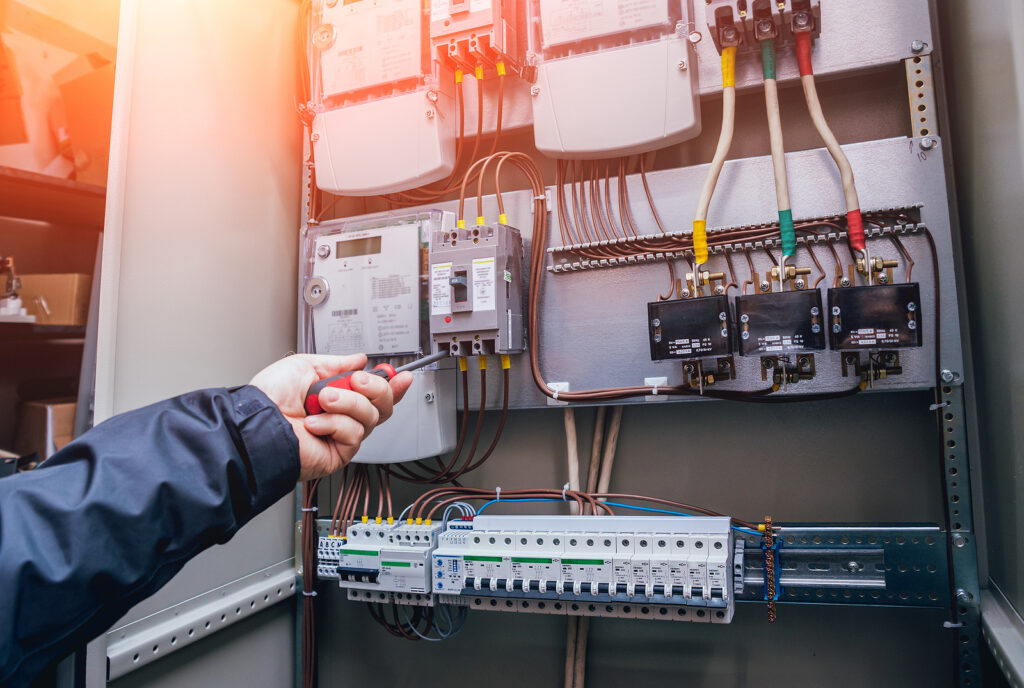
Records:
x=32, y=332
x=34, y=196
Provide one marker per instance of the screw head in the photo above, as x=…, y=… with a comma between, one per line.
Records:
x=430, y=113
x=429, y=397
x=911, y=306
x=959, y=540
x=535, y=90
x=845, y=282
x=746, y=334
x=800, y=284
x=801, y=20
x=765, y=26
x=883, y=278
x=719, y=290
x=837, y=329
x=725, y=332
x=686, y=293
x=432, y=96
x=682, y=65
x=656, y=322
x=927, y=143
x=853, y=566
x=815, y=310
x=912, y=325
x=722, y=316
x=765, y=285
x=744, y=318
x=768, y=364
x=323, y=250
x=947, y=375
x=815, y=328
x=314, y=138
x=964, y=596
x=835, y=310
x=695, y=37
x=729, y=33
x=917, y=47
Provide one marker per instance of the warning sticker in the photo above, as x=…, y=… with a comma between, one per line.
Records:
x=440, y=289
x=483, y=284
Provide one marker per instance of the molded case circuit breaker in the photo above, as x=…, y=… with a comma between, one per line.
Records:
x=476, y=290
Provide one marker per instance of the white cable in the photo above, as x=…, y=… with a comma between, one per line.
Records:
x=771, y=102
x=572, y=455
x=611, y=442
x=818, y=117
x=724, y=143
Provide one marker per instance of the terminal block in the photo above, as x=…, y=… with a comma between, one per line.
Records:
x=481, y=34
x=380, y=557
x=663, y=567
x=476, y=282
x=780, y=322
x=744, y=23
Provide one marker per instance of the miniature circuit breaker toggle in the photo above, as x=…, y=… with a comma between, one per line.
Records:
x=476, y=305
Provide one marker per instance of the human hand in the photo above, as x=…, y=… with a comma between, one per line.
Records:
x=329, y=440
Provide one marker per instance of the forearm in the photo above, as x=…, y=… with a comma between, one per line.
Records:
x=114, y=515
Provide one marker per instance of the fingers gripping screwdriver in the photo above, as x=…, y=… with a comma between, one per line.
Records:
x=344, y=381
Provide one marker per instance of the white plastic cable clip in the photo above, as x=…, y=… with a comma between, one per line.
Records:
x=310, y=508
x=554, y=395
x=564, y=488
x=497, y=494
x=309, y=594
x=542, y=197
x=936, y=407
x=654, y=390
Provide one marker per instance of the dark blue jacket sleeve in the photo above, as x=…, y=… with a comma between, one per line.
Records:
x=110, y=518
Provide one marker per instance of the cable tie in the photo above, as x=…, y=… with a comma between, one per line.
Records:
x=564, y=488
x=555, y=395
x=542, y=197
x=936, y=407
x=309, y=594
x=311, y=508
x=497, y=494
x=654, y=390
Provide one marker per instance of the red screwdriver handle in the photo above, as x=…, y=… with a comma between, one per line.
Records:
x=342, y=381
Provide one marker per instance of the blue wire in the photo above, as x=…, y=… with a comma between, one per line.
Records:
x=615, y=504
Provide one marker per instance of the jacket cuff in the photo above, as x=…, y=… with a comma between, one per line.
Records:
x=270, y=443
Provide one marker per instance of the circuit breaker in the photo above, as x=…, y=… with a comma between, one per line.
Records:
x=476, y=290
x=383, y=121
x=365, y=290
x=613, y=78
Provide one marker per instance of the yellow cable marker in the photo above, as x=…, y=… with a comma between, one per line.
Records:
x=700, y=241
x=501, y=69
x=463, y=367
x=377, y=520
x=483, y=362
x=409, y=521
x=391, y=520
x=461, y=224
x=480, y=220
x=506, y=362
x=419, y=521
x=427, y=522
x=458, y=76
x=760, y=527
x=365, y=519
x=479, y=73
x=503, y=219
x=729, y=67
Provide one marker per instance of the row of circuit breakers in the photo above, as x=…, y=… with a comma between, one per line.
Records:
x=387, y=78
x=683, y=569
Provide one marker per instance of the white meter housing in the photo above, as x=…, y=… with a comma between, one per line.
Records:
x=364, y=289
x=615, y=77
x=383, y=122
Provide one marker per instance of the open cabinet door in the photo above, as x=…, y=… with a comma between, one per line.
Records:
x=198, y=290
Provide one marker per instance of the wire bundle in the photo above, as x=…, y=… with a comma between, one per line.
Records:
x=771, y=98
